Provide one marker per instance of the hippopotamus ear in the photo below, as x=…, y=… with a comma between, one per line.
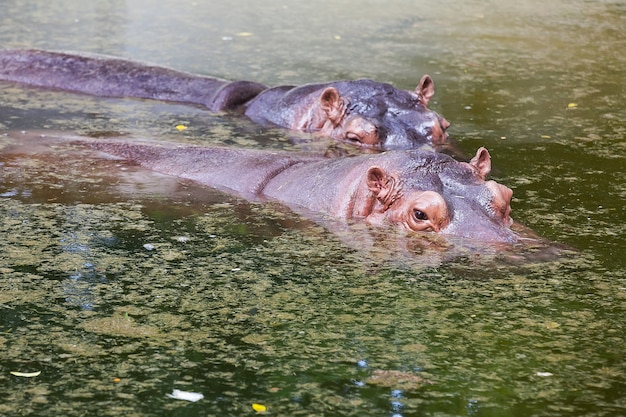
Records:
x=332, y=104
x=482, y=162
x=425, y=89
x=376, y=179
x=381, y=184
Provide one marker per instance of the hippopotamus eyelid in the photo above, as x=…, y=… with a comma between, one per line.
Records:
x=353, y=137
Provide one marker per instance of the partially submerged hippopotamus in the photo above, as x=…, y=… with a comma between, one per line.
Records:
x=365, y=112
x=414, y=190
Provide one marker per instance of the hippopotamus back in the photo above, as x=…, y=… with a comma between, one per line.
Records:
x=413, y=190
x=365, y=112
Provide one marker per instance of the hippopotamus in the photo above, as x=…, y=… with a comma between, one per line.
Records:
x=364, y=112
x=413, y=190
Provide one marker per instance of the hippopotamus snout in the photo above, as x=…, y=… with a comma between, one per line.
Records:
x=412, y=130
x=433, y=127
x=485, y=218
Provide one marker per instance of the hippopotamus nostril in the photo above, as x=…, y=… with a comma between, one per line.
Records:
x=501, y=201
x=437, y=134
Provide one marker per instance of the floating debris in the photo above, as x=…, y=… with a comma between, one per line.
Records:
x=26, y=374
x=185, y=395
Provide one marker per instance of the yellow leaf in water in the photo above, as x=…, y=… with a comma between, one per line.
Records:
x=545, y=136
x=181, y=127
x=26, y=374
x=572, y=105
x=259, y=408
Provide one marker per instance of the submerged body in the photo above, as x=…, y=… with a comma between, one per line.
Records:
x=365, y=112
x=412, y=190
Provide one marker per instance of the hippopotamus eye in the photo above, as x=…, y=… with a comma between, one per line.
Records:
x=353, y=137
x=419, y=215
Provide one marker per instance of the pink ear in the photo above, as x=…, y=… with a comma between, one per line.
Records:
x=376, y=179
x=382, y=185
x=332, y=104
x=482, y=162
x=425, y=89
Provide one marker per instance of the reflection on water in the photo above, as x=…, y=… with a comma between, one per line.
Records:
x=121, y=286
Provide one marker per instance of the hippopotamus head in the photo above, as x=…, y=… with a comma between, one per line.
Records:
x=432, y=192
x=379, y=115
x=365, y=112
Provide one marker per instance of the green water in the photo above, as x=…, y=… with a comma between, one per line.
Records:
x=121, y=286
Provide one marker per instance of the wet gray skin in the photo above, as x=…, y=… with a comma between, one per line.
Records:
x=414, y=190
x=373, y=114
x=364, y=112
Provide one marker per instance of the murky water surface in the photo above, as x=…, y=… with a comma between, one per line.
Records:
x=120, y=286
